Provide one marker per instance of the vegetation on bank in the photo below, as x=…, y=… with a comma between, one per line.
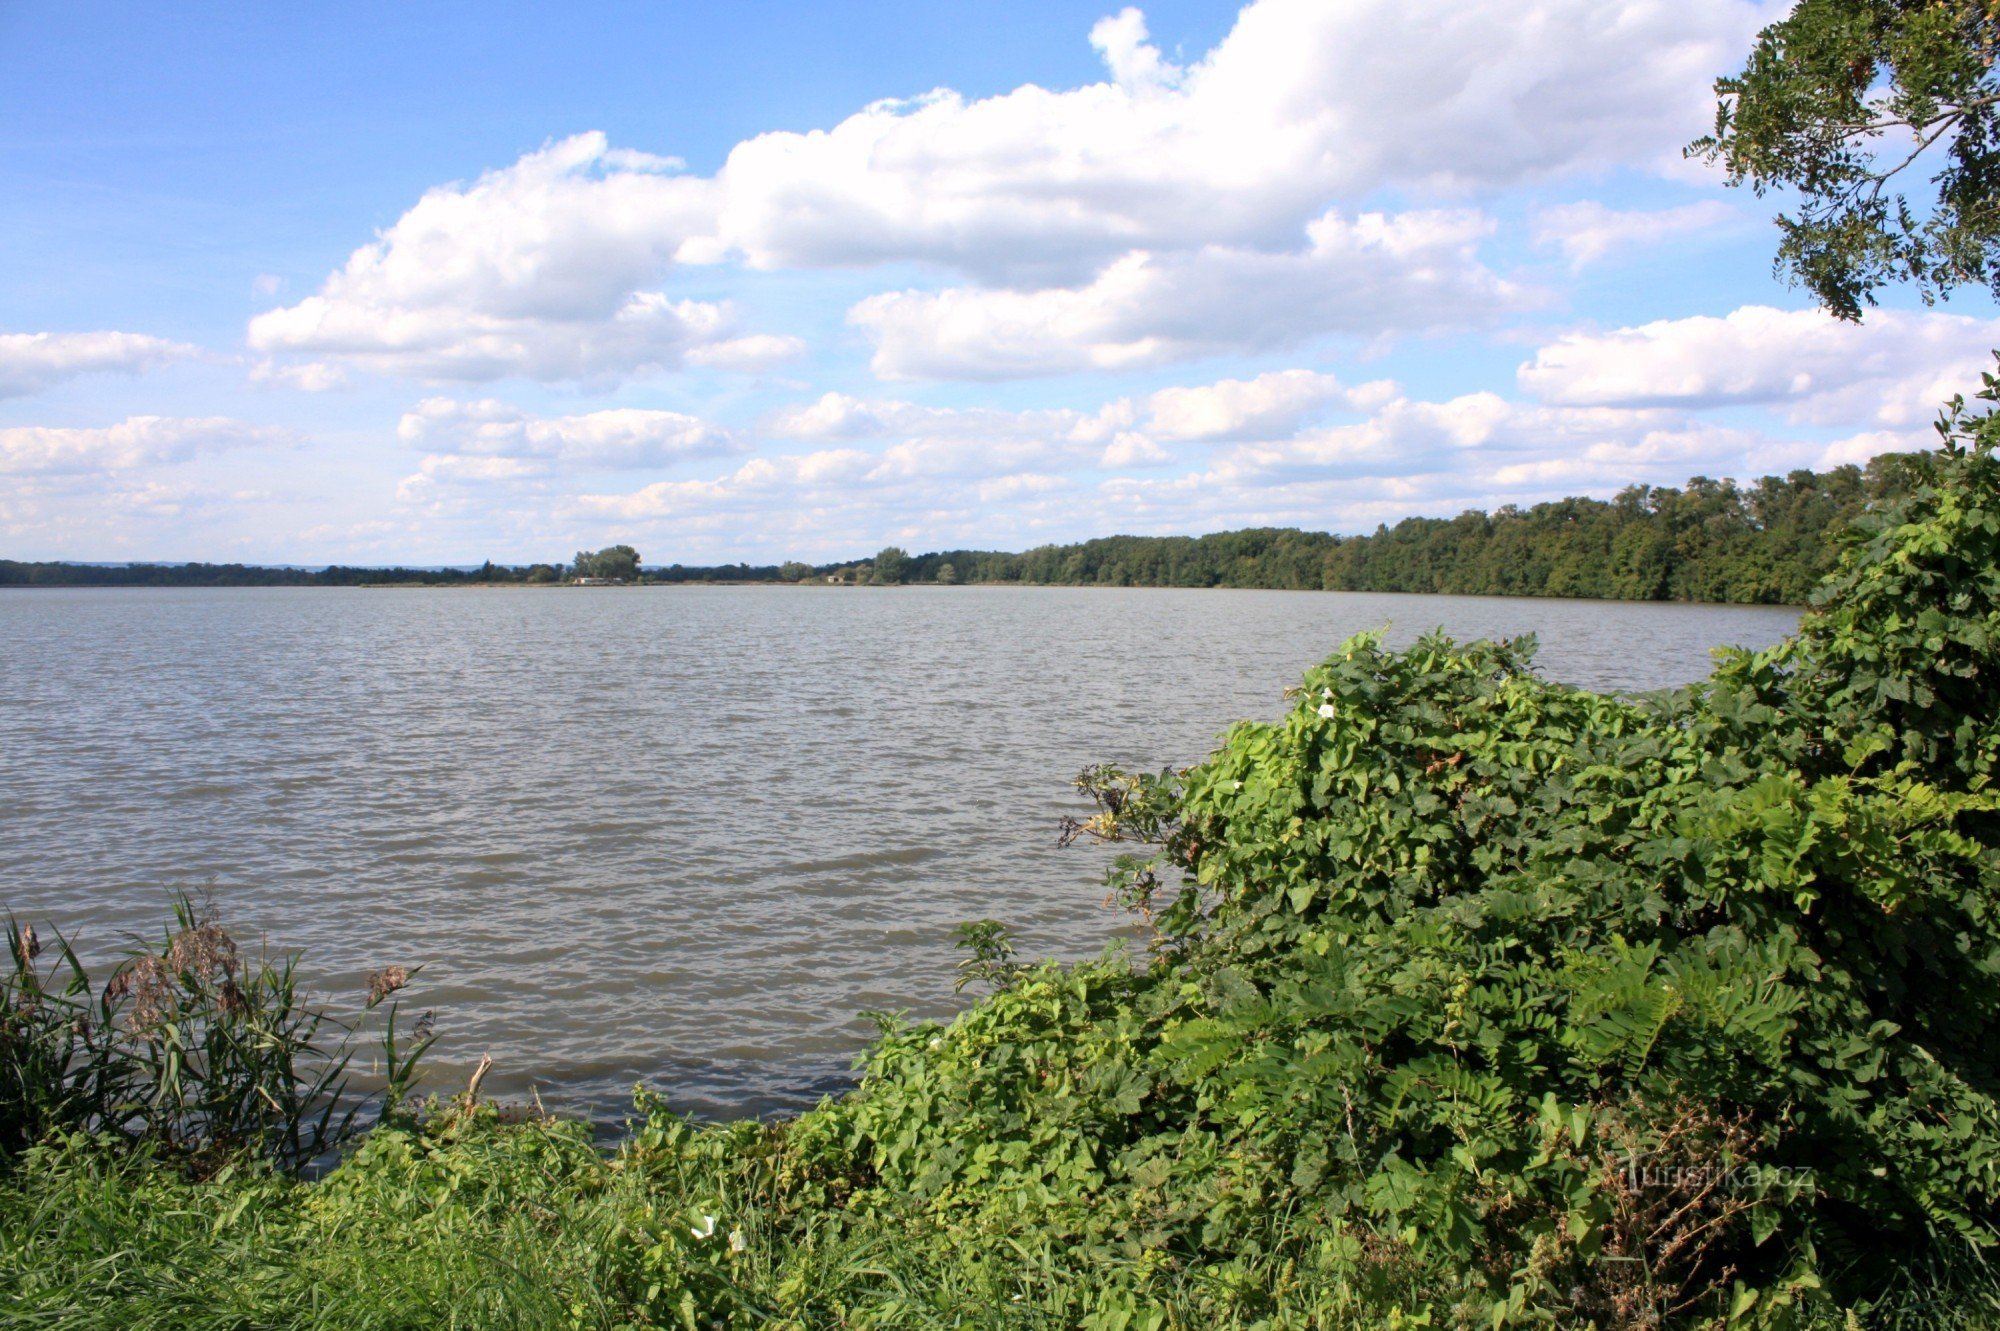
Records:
x=1468, y=1000
x=1768, y=543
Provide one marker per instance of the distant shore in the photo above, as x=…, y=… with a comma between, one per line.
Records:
x=1710, y=542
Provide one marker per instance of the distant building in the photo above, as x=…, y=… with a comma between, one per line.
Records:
x=598, y=582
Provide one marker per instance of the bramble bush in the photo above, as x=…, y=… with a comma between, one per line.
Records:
x=1552, y=1006
x=1469, y=1000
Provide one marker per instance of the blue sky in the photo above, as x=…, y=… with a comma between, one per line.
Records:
x=445, y=282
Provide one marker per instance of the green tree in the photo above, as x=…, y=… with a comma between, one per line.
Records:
x=1846, y=102
x=947, y=574
x=892, y=566
x=614, y=561
x=793, y=571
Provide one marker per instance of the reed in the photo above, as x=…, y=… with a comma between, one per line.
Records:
x=189, y=1047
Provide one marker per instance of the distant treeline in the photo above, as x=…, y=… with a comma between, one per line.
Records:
x=1707, y=541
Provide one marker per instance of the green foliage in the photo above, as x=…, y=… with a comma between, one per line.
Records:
x=990, y=960
x=620, y=562
x=1837, y=102
x=1466, y=1000
x=1768, y=543
x=892, y=567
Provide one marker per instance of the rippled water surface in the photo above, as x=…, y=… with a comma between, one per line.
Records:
x=678, y=835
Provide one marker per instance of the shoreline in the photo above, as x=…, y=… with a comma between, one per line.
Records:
x=1799, y=607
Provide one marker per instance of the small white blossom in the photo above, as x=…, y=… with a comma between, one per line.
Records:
x=1326, y=709
x=737, y=1243
x=705, y=1229
x=1326, y=693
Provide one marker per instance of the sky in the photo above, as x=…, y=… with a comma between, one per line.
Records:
x=441, y=282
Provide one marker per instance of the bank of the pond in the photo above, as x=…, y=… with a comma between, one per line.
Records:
x=1465, y=999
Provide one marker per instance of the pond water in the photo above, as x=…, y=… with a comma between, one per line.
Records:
x=674, y=835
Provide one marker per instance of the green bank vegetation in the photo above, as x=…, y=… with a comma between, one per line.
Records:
x=1467, y=1000
x=1768, y=543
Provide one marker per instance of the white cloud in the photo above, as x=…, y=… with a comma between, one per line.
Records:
x=1123, y=434
x=1111, y=216
x=1588, y=231
x=1893, y=369
x=1365, y=277
x=306, y=376
x=31, y=362
x=1303, y=103
x=1004, y=485
x=621, y=437
x=545, y=269
x=839, y=416
x=759, y=351
x=136, y=441
x=1269, y=405
x=1133, y=61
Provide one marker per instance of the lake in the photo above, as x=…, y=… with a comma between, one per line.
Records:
x=674, y=835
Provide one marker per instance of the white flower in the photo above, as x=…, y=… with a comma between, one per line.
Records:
x=1326, y=693
x=705, y=1229
x=737, y=1243
x=936, y=1040
x=1326, y=709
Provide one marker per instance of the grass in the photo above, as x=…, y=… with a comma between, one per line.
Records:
x=470, y=1222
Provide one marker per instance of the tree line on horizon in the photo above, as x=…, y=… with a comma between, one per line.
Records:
x=1710, y=540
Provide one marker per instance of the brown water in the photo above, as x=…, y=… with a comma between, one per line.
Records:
x=681, y=836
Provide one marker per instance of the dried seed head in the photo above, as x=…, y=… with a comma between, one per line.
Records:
x=202, y=952
x=229, y=999
x=31, y=946
x=151, y=983
x=386, y=981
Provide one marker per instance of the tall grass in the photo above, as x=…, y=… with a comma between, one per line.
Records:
x=189, y=1047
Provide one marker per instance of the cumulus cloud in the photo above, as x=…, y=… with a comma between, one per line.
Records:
x=759, y=351
x=840, y=416
x=545, y=269
x=1134, y=62
x=1893, y=369
x=985, y=477
x=620, y=437
x=1267, y=406
x=1588, y=231
x=306, y=376
x=1302, y=104
x=1125, y=432
x=1112, y=215
x=136, y=441
x=1364, y=276
x=31, y=362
